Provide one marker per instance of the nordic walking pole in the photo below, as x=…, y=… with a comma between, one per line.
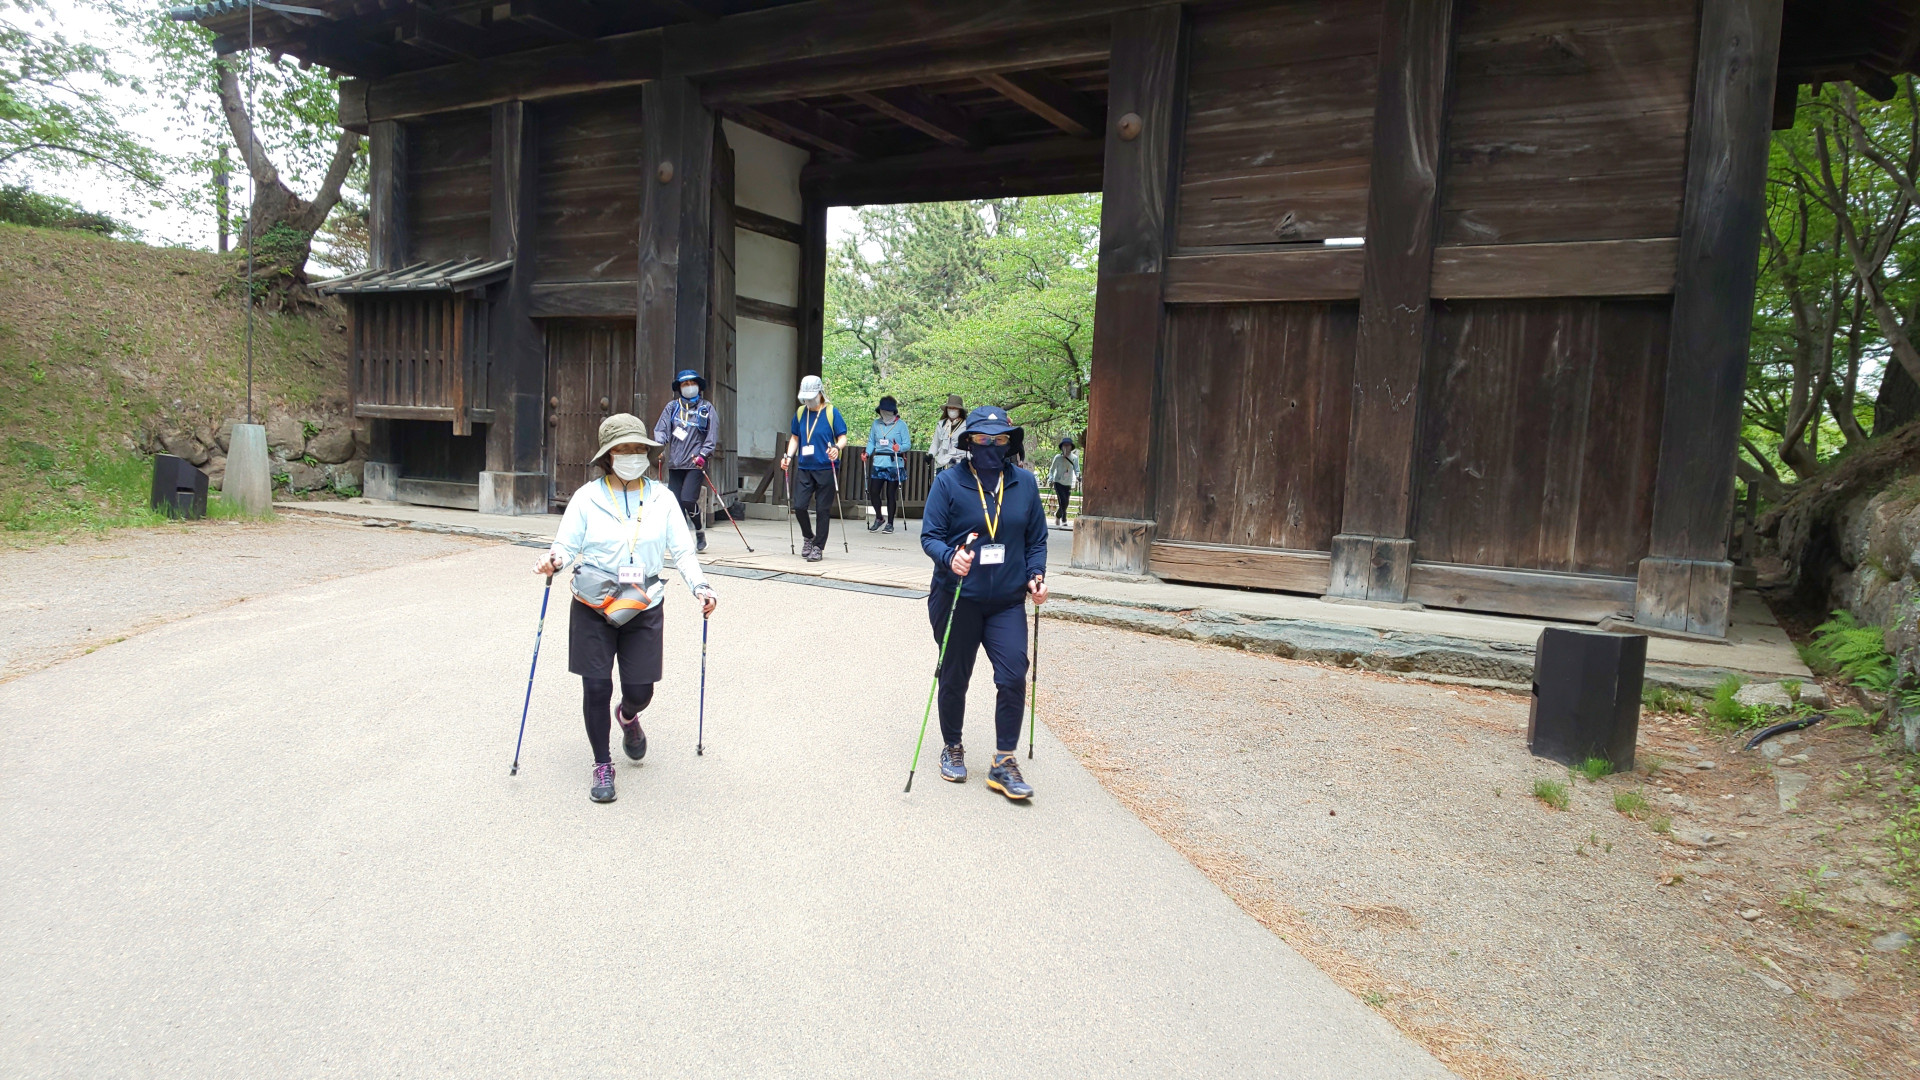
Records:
x=700, y=740
x=537, y=634
x=1033, y=699
x=723, y=508
x=937, y=665
x=838, y=510
x=788, y=473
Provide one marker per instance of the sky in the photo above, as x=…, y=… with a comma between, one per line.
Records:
x=157, y=122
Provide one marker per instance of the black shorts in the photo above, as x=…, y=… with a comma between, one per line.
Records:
x=593, y=642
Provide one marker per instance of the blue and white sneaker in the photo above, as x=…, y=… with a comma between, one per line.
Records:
x=953, y=764
x=1005, y=777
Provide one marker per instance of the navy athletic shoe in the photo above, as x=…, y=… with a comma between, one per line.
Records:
x=602, y=790
x=953, y=764
x=700, y=543
x=1004, y=777
x=632, y=739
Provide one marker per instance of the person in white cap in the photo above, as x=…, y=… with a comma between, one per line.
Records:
x=819, y=435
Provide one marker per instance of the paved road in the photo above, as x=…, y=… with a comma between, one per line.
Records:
x=280, y=840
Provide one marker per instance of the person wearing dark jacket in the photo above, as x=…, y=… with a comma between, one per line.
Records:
x=690, y=430
x=988, y=496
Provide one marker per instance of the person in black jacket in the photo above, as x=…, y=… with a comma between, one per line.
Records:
x=1007, y=562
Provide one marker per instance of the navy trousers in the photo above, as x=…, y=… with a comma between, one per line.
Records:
x=1004, y=633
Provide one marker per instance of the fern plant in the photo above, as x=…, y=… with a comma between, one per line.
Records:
x=1857, y=651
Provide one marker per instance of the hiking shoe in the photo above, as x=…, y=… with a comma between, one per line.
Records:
x=953, y=764
x=816, y=554
x=632, y=739
x=1004, y=777
x=602, y=790
x=874, y=525
x=700, y=542
x=889, y=526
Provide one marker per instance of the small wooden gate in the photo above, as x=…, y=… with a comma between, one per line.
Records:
x=419, y=341
x=590, y=368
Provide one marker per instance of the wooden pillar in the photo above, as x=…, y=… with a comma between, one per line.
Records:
x=1374, y=550
x=1146, y=108
x=675, y=240
x=514, y=481
x=1686, y=579
x=813, y=283
x=387, y=195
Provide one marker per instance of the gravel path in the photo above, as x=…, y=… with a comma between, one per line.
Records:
x=1387, y=829
x=65, y=599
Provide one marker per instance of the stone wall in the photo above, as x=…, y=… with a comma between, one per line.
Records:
x=308, y=450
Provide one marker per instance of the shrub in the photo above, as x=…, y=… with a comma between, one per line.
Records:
x=23, y=206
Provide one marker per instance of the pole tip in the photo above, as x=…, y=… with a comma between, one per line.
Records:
x=515, y=771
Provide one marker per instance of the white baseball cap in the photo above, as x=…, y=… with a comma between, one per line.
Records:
x=811, y=387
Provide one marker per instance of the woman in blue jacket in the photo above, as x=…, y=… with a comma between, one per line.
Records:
x=998, y=503
x=887, y=441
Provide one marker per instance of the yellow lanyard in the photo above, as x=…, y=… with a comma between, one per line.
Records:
x=999, y=503
x=813, y=421
x=682, y=403
x=634, y=540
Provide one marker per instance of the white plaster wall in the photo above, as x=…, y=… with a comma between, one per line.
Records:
x=767, y=179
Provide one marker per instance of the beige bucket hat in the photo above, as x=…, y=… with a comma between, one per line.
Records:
x=622, y=428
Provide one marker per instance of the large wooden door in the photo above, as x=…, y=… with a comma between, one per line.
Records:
x=722, y=367
x=590, y=366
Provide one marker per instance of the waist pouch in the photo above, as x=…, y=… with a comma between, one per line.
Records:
x=604, y=593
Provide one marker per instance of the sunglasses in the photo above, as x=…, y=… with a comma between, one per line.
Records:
x=993, y=440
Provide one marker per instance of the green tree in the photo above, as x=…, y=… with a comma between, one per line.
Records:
x=52, y=115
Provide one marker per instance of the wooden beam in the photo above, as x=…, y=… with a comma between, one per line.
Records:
x=1586, y=597
x=924, y=113
x=352, y=110
x=675, y=241
x=793, y=232
x=430, y=32
x=1146, y=80
x=1053, y=167
x=572, y=20
x=1255, y=568
x=766, y=311
x=813, y=284
x=387, y=195
x=1584, y=268
x=1298, y=272
x=1049, y=99
x=1372, y=555
x=585, y=299
x=575, y=68
x=802, y=124
x=1720, y=224
x=517, y=377
x=689, y=11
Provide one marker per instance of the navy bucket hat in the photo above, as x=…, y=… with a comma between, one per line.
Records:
x=993, y=420
x=690, y=375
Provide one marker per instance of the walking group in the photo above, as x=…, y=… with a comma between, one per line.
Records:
x=984, y=527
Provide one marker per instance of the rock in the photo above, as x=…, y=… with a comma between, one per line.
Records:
x=1700, y=838
x=1787, y=786
x=182, y=445
x=1813, y=695
x=1771, y=750
x=224, y=437
x=331, y=446
x=1751, y=914
x=304, y=477
x=1771, y=694
x=286, y=437
x=1773, y=984
x=1703, y=765
x=345, y=477
x=1892, y=942
x=216, y=470
x=380, y=523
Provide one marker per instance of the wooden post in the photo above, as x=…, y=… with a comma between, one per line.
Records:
x=813, y=283
x=387, y=195
x=1373, y=552
x=515, y=481
x=1146, y=106
x=1686, y=579
x=675, y=246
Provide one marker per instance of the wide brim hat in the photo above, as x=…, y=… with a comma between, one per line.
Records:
x=1067, y=440
x=622, y=428
x=690, y=375
x=887, y=404
x=954, y=402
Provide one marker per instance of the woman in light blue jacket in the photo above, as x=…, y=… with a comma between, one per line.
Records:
x=887, y=443
x=619, y=531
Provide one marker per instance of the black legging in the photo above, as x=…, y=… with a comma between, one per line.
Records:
x=1062, y=494
x=634, y=697
x=878, y=488
x=814, y=487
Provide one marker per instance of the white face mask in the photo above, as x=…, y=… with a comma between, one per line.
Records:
x=887, y=418
x=629, y=467
x=690, y=391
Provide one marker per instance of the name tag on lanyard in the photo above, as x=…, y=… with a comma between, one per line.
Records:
x=806, y=451
x=679, y=432
x=633, y=575
x=993, y=554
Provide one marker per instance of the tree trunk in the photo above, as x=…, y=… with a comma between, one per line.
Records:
x=280, y=224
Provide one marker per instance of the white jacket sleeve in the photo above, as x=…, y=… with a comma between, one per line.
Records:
x=572, y=536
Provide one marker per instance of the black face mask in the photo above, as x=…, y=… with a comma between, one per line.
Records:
x=988, y=458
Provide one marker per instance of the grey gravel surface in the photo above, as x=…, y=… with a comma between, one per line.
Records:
x=1387, y=828
x=292, y=849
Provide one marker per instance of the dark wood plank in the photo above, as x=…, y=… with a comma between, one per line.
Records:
x=753, y=221
x=1303, y=272
x=804, y=125
x=352, y=110
x=585, y=299
x=813, y=283
x=675, y=273
x=1254, y=430
x=451, y=39
x=567, y=19
x=448, y=187
x=926, y=114
x=1057, y=166
x=767, y=311
x=1050, y=100
x=1586, y=268
x=516, y=441
x=573, y=68
x=590, y=182
x=1402, y=207
x=1255, y=568
x=1141, y=174
x=1585, y=598
x=387, y=196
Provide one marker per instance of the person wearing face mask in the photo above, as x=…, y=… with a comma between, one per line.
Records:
x=946, y=451
x=618, y=533
x=819, y=435
x=999, y=504
x=691, y=430
x=1064, y=473
x=887, y=439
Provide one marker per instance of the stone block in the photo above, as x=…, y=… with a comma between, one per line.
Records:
x=381, y=481
x=304, y=477
x=345, y=476
x=513, y=493
x=331, y=446
x=185, y=447
x=224, y=437
x=286, y=436
x=247, y=483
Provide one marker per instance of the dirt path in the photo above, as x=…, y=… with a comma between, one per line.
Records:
x=67, y=599
x=1388, y=830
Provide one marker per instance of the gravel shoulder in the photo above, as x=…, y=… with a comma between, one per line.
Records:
x=68, y=598
x=1387, y=829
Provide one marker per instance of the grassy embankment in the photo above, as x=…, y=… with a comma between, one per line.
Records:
x=103, y=342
